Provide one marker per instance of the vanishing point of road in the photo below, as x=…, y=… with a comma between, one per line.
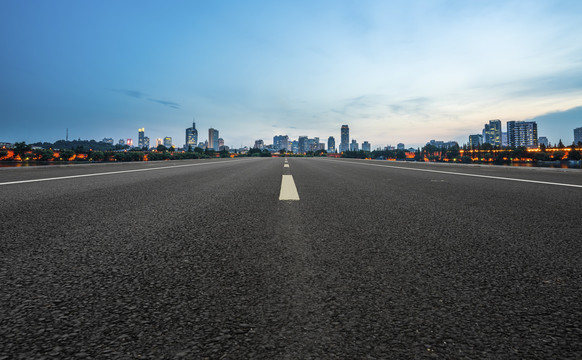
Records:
x=290, y=259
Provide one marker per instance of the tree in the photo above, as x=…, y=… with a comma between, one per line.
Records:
x=561, y=145
x=198, y=149
x=20, y=148
x=65, y=155
x=558, y=155
x=97, y=156
x=224, y=153
x=172, y=149
x=161, y=148
x=574, y=154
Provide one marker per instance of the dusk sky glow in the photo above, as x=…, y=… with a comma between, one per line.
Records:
x=395, y=71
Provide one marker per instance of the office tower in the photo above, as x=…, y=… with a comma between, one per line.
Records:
x=213, y=139
x=331, y=144
x=367, y=147
x=543, y=141
x=345, y=139
x=492, y=133
x=168, y=142
x=399, y=146
x=522, y=133
x=259, y=144
x=504, y=139
x=220, y=143
x=281, y=142
x=578, y=136
x=294, y=146
x=146, y=142
x=129, y=142
x=191, y=137
x=475, y=140
x=159, y=142
x=354, y=145
x=140, y=137
x=302, y=144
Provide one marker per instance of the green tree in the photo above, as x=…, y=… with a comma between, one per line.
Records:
x=97, y=156
x=161, y=148
x=66, y=154
x=560, y=145
x=574, y=154
x=558, y=155
x=20, y=149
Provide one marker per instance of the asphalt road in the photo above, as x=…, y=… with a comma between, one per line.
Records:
x=200, y=259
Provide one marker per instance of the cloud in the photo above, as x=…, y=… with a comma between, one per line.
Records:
x=139, y=95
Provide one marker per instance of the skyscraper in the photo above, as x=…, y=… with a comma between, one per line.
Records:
x=475, y=140
x=302, y=146
x=140, y=138
x=354, y=145
x=281, y=142
x=522, y=133
x=345, y=139
x=492, y=133
x=168, y=142
x=191, y=137
x=578, y=135
x=367, y=147
x=331, y=144
x=213, y=139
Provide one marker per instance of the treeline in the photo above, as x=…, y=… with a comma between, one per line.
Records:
x=80, y=144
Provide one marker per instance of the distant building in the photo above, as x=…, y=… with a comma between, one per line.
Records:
x=220, y=143
x=475, y=140
x=191, y=137
x=331, y=144
x=121, y=142
x=367, y=147
x=140, y=138
x=108, y=141
x=259, y=144
x=295, y=146
x=400, y=146
x=354, y=145
x=302, y=146
x=542, y=140
x=213, y=139
x=578, y=135
x=281, y=142
x=442, y=144
x=345, y=139
x=8, y=145
x=129, y=142
x=146, y=142
x=522, y=133
x=504, y=139
x=492, y=133
x=159, y=142
x=168, y=142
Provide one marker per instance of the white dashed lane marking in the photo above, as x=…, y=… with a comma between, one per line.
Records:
x=288, y=189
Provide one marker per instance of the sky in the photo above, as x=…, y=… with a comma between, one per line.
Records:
x=394, y=71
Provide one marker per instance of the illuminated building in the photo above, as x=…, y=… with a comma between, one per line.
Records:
x=159, y=142
x=578, y=135
x=140, y=137
x=345, y=138
x=129, y=142
x=213, y=139
x=475, y=140
x=168, y=142
x=367, y=147
x=146, y=142
x=191, y=137
x=331, y=144
x=522, y=133
x=492, y=133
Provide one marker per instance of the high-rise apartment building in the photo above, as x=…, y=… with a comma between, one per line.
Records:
x=213, y=139
x=191, y=137
x=281, y=142
x=302, y=146
x=578, y=135
x=542, y=140
x=354, y=145
x=140, y=137
x=220, y=143
x=345, y=139
x=400, y=146
x=475, y=140
x=522, y=133
x=331, y=144
x=366, y=146
x=259, y=144
x=492, y=133
x=168, y=142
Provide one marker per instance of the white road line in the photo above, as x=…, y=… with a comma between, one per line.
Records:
x=288, y=189
x=466, y=174
x=107, y=173
x=286, y=165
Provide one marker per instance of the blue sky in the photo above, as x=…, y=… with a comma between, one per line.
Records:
x=395, y=71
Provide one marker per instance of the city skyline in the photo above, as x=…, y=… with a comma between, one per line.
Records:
x=396, y=72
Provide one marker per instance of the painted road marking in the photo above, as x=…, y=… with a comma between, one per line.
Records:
x=286, y=165
x=288, y=189
x=471, y=175
x=108, y=173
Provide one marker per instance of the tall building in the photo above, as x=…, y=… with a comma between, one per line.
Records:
x=220, y=143
x=302, y=146
x=354, y=145
x=213, y=139
x=492, y=133
x=140, y=138
x=159, y=142
x=121, y=142
x=345, y=139
x=281, y=142
x=475, y=140
x=522, y=133
x=168, y=142
x=259, y=144
x=578, y=135
x=191, y=137
x=367, y=147
x=400, y=146
x=542, y=140
x=129, y=142
x=108, y=141
x=331, y=144
x=146, y=142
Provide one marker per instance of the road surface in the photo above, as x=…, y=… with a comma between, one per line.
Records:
x=369, y=259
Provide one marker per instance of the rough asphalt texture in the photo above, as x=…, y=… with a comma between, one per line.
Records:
x=372, y=262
